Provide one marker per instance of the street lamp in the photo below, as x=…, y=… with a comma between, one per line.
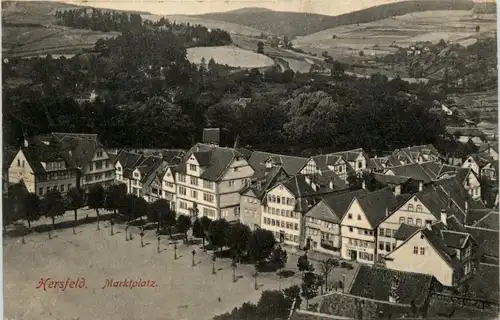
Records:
x=142, y=236
x=193, y=253
x=158, y=244
x=126, y=231
x=175, y=251
x=112, y=223
x=234, y=265
x=255, y=275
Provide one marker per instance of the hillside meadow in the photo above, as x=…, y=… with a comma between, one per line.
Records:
x=230, y=55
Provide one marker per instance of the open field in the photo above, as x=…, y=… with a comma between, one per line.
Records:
x=181, y=292
x=230, y=55
x=381, y=37
x=485, y=102
x=232, y=28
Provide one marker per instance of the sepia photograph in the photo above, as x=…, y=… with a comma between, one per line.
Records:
x=250, y=160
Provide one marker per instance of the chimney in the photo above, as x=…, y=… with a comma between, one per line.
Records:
x=443, y=216
x=466, y=207
x=428, y=226
x=420, y=186
x=308, y=180
x=269, y=165
x=259, y=185
x=397, y=190
x=313, y=186
x=363, y=184
x=330, y=184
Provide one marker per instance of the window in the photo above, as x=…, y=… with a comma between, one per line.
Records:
x=282, y=223
x=194, y=181
x=22, y=164
x=62, y=187
x=194, y=194
x=183, y=205
x=467, y=252
x=381, y=232
x=402, y=220
x=296, y=226
x=410, y=207
x=231, y=183
x=18, y=162
x=182, y=178
x=40, y=191
x=419, y=208
x=415, y=250
x=350, y=229
x=422, y=251
x=388, y=233
x=381, y=245
x=99, y=153
x=208, y=184
x=182, y=191
x=419, y=221
x=359, y=217
x=388, y=246
x=349, y=216
x=360, y=164
x=236, y=169
x=119, y=169
x=278, y=200
x=192, y=167
x=410, y=220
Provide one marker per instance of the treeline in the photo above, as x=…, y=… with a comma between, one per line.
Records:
x=105, y=20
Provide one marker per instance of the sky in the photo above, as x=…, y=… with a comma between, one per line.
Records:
x=172, y=7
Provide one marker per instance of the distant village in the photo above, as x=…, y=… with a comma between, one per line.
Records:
x=418, y=217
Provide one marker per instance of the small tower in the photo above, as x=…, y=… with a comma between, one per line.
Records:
x=211, y=136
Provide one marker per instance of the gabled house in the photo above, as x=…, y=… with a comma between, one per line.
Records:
x=490, y=150
x=483, y=165
x=253, y=193
x=435, y=250
x=169, y=187
x=43, y=167
x=466, y=134
x=125, y=160
x=322, y=222
x=484, y=227
x=209, y=180
x=285, y=204
x=327, y=162
x=360, y=221
x=87, y=154
x=466, y=176
x=418, y=154
x=356, y=158
x=260, y=161
x=150, y=172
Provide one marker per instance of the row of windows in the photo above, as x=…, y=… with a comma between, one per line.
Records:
x=254, y=211
x=281, y=223
x=103, y=164
x=281, y=200
x=361, y=243
x=349, y=216
x=53, y=165
x=282, y=212
x=422, y=250
x=362, y=231
x=58, y=175
x=62, y=188
x=287, y=237
x=98, y=176
x=386, y=246
x=194, y=181
x=323, y=223
x=168, y=184
x=209, y=212
x=418, y=222
x=252, y=200
x=388, y=233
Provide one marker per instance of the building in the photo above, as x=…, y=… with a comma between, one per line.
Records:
x=168, y=186
x=260, y=161
x=148, y=177
x=360, y=221
x=125, y=161
x=43, y=167
x=466, y=134
x=209, y=180
x=435, y=250
x=253, y=193
x=328, y=162
x=417, y=154
x=285, y=204
x=483, y=165
x=87, y=154
x=322, y=222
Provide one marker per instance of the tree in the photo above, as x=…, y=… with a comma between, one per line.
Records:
x=218, y=233
x=279, y=257
x=115, y=196
x=260, y=47
x=273, y=305
x=18, y=194
x=183, y=225
x=7, y=214
x=157, y=210
x=361, y=53
x=205, y=225
x=309, y=287
x=325, y=267
x=33, y=208
x=96, y=199
x=169, y=220
x=293, y=294
x=237, y=238
x=261, y=244
x=53, y=206
x=198, y=230
x=304, y=265
x=75, y=200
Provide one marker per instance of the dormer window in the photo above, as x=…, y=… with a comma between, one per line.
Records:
x=192, y=167
x=119, y=169
x=136, y=175
x=99, y=153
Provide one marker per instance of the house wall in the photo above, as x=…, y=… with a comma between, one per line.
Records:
x=60, y=180
x=392, y=223
x=431, y=263
x=310, y=167
x=470, y=163
x=99, y=171
x=20, y=169
x=358, y=236
x=489, y=172
x=118, y=172
x=169, y=188
x=473, y=186
x=234, y=179
x=324, y=236
x=250, y=211
x=289, y=221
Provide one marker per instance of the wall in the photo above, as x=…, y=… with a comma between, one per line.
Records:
x=235, y=178
x=250, y=211
x=17, y=172
x=314, y=228
x=430, y=263
x=99, y=171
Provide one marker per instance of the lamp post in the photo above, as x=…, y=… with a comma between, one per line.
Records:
x=126, y=232
x=158, y=245
x=142, y=236
x=213, y=264
x=193, y=253
x=255, y=275
x=175, y=251
x=111, y=223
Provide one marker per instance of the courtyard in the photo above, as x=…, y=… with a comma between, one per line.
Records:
x=180, y=291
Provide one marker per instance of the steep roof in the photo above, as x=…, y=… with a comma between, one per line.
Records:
x=128, y=159
x=379, y=283
x=39, y=152
x=325, y=160
x=376, y=205
x=456, y=240
x=291, y=164
x=215, y=160
x=257, y=159
x=436, y=239
x=81, y=149
x=414, y=171
x=386, y=179
x=487, y=240
x=405, y=231
x=173, y=155
x=351, y=155
x=149, y=166
x=262, y=181
x=489, y=221
x=333, y=206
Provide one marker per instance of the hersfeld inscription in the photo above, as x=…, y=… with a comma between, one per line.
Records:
x=129, y=283
x=48, y=283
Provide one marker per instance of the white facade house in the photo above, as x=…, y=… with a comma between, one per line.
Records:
x=359, y=224
x=208, y=182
